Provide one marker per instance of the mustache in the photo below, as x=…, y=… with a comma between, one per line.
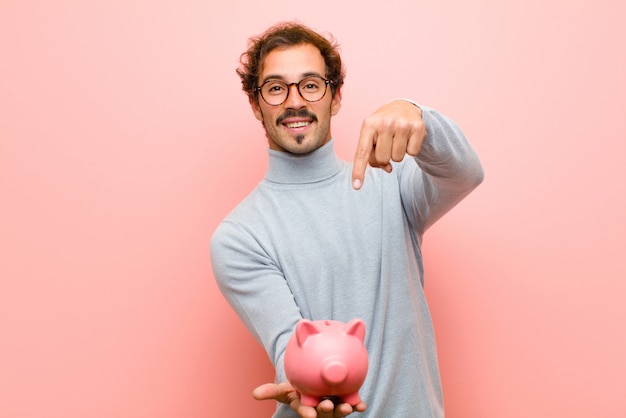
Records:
x=290, y=113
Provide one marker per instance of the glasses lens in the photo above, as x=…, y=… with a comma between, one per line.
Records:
x=311, y=89
x=274, y=92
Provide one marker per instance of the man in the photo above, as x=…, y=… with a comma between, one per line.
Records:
x=321, y=238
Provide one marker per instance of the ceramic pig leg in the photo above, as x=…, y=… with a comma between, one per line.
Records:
x=352, y=399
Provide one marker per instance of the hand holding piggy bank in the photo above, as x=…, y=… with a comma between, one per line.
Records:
x=327, y=359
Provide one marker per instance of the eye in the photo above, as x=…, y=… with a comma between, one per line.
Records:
x=274, y=88
x=311, y=84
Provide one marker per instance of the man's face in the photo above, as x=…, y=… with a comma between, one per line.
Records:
x=296, y=126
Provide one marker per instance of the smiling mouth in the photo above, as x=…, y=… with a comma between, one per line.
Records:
x=296, y=119
x=300, y=124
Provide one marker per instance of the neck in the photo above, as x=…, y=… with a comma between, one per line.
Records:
x=285, y=167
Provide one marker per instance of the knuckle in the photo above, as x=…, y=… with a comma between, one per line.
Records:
x=377, y=122
x=368, y=122
x=420, y=127
x=403, y=125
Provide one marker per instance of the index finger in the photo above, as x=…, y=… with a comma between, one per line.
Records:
x=362, y=155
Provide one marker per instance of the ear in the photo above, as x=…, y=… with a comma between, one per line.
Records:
x=335, y=105
x=304, y=330
x=356, y=327
x=256, y=109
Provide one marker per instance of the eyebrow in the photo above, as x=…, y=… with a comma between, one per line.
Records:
x=280, y=77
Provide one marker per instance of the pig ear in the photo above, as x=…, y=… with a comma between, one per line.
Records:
x=356, y=327
x=304, y=330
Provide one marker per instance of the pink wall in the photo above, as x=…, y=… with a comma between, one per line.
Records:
x=124, y=139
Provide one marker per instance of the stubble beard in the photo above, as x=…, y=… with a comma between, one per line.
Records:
x=300, y=138
x=274, y=128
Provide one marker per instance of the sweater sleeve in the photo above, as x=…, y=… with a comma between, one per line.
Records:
x=447, y=170
x=255, y=288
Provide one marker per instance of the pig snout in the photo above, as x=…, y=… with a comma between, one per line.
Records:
x=334, y=372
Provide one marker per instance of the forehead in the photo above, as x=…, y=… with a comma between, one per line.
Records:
x=293, y=62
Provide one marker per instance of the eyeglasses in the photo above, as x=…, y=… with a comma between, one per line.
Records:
x=311, y=89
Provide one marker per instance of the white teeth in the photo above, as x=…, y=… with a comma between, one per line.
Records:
x=297, y=124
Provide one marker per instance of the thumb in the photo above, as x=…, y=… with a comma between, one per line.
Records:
x=279, y=392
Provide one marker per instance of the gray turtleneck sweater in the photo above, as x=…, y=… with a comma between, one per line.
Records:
x=305, y=244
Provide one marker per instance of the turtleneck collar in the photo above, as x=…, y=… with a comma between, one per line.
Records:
x=316, y=166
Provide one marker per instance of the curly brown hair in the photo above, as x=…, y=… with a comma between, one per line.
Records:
x=285, y=35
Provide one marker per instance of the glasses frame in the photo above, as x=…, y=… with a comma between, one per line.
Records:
x=297, y=84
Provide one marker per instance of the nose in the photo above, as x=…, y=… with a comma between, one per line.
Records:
x=334, y=372
x=294, y=99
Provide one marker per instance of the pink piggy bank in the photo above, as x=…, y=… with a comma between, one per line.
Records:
x=327, y=359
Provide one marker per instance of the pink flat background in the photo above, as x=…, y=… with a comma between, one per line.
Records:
x=125, y=139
